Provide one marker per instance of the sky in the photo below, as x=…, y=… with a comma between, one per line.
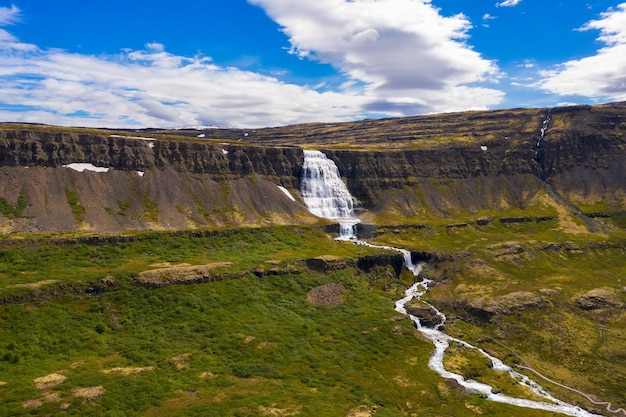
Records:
x=259, y=63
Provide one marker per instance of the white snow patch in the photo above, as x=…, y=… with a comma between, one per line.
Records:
x=484, y=148
x=287, y=193
x=224, y=151
x=201, y=135
x=80, y=167
x=140, y=173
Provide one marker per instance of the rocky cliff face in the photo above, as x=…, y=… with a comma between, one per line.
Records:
x=461, y=163
x=134, y=153
x=583, y=156
x=150, y=184
x=578, y=163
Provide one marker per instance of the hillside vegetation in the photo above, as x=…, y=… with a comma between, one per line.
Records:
x=185, y=281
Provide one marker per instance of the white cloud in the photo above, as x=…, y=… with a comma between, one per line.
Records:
x=154, y=88
x=508, y=3
x=601, y=76
x=9, y=15
x=486, y=18
x=399, y=57
x=398, y=49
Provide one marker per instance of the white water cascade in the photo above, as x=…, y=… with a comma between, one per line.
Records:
x=442, y=342
x=327, y=196
x=542, y=134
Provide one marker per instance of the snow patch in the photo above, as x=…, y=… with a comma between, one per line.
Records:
x=287, y=193
x=484, y=148
x=224, y=151
x=80, y=167
x=201, y=135
x=140, y=173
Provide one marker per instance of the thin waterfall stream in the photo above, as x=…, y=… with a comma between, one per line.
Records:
x=327, y=196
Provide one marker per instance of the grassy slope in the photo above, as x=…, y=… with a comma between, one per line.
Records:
x=241, y=347
x=256, y=347
x=580, y=348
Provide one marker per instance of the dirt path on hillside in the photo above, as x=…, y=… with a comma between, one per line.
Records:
x=609, y=406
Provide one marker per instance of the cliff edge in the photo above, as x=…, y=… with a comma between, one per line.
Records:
x=565, y=160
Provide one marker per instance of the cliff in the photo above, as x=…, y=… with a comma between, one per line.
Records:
x=150, y=184
x=500, y=162
x=458, y=164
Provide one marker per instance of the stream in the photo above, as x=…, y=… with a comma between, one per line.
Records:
x=327, y=196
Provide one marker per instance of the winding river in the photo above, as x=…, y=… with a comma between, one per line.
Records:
x=326, y=195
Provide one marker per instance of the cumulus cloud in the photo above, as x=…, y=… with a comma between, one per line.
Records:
x=508, y=3
x=155, y=88
x=409, y=57
x=601, y=76
x=398, y=57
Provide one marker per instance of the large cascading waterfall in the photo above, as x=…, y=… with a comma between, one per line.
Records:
x=326, y=195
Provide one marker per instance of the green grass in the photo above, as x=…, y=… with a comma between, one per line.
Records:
x=151, y=209
x=123, y=205
x=238, y=347
x=78, y=210
x=247, y=346
x=34, y=259
x=13, y=210
x=582, y=349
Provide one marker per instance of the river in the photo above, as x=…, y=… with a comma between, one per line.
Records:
x=327, y=196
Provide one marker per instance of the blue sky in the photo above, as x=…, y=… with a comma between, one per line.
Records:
x=260, y=63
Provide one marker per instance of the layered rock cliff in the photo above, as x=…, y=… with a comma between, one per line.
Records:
x=466, y=164
x=150, y=184
x=504, y=162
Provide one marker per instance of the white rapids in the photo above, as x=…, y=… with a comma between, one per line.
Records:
x=442, y=342
x=326, y=195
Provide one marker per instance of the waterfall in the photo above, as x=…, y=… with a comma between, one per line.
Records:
x=542, y=135
x=326, y=195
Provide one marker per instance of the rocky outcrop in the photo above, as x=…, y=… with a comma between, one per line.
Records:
x=483, y=307
x=580, y=158
x=24, y=148
x=426, y=314
x=437, y=165
x=182, y=274
x=150, y=184
x=439, y=181
x=600, y=300
x=368, y=263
